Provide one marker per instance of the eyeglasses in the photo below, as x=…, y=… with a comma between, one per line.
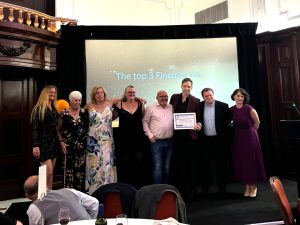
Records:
x=130, y=92
x=163, y=96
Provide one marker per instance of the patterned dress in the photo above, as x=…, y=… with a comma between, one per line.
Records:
x=74, y=132
x=100, y=165
x=247, y=156
x=45, y=136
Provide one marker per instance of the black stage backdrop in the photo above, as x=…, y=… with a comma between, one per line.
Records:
x=72, y=66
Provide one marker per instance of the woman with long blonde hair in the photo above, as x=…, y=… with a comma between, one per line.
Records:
x=45, y=141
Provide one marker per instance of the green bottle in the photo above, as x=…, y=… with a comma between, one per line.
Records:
x=101, y=220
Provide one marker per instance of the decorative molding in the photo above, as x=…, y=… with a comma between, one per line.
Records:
x=8, y=51
x=258, y=9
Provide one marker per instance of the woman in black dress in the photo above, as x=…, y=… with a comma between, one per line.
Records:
x=72, y=127
x=45, y=139
x=132, y=166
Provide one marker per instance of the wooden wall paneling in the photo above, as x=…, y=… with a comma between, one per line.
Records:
x=264, y=62
x=27, y=64
x=36, y=56
x=25, y=46
x=279, y=54
x=13, y=141
x=285, y=73
x=297, y=71
x=282, y=72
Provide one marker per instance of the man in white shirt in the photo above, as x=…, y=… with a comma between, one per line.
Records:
x=215, y=117
x=44, y=211
x=158, y=126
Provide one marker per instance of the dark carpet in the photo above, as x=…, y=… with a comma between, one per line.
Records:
x=235, y=209
x=232, y=209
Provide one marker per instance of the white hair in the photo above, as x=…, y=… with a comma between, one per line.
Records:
x=75, y=95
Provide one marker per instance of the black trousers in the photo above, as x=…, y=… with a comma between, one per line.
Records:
x=183, y=162
x=214, y=162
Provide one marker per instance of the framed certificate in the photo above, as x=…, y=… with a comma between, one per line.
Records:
x=184, y=121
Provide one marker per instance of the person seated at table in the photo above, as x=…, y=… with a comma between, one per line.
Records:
x=6, y=220
x=45, y=211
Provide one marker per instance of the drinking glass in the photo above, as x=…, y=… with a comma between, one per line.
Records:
x=121, y=219
x=64, y=216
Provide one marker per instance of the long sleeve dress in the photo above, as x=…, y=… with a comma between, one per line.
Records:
x=45, y=135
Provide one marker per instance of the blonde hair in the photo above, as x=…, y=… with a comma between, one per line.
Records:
x=94, y=91
x=42, y=103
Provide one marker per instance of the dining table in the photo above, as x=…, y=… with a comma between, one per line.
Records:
x=131, y=221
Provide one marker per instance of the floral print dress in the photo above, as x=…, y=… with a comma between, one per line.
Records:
x=100, y=165
x=74, y=131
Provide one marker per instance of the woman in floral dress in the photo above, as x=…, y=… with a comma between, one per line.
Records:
x=73, y=126
x=100, y=159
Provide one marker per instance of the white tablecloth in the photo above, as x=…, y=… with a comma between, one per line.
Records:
x=130, y=222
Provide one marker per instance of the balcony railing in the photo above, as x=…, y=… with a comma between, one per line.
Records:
x=32, y=17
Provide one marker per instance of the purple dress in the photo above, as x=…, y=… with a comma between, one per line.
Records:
x=247, y=156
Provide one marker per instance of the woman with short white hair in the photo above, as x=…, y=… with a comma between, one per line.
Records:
x=73, y=127
x=75, y=95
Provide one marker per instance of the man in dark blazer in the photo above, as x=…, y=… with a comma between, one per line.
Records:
x=215, y=117
x=183, y=164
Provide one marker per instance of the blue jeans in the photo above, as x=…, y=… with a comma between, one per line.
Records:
x=161, y=156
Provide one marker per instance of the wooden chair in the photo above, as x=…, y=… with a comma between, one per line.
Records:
x=282, y=201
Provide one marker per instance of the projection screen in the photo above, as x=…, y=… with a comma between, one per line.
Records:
x=152, y=65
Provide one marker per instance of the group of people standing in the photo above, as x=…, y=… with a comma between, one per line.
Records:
x=85, y=137
x=205, y=149
x=184, y=158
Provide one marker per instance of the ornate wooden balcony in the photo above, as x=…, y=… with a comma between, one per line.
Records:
x=29, y=38
x=22, y=15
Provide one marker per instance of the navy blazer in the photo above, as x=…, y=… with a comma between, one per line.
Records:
x=193, y=106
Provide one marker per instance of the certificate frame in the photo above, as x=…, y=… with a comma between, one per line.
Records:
x=184, y=121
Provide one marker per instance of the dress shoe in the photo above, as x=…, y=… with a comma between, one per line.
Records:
x=247, y=191
x=253, y=191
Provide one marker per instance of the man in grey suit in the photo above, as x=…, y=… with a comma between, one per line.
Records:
x=215, y=117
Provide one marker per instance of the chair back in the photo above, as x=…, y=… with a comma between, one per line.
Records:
x=117, y=198
x=159, y=201
x=113, y=206
x=167, y=206
x=282, y=201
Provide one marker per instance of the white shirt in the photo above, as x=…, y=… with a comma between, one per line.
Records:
x=209, y=119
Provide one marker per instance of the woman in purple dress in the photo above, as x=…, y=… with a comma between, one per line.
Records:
x=247, y=156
